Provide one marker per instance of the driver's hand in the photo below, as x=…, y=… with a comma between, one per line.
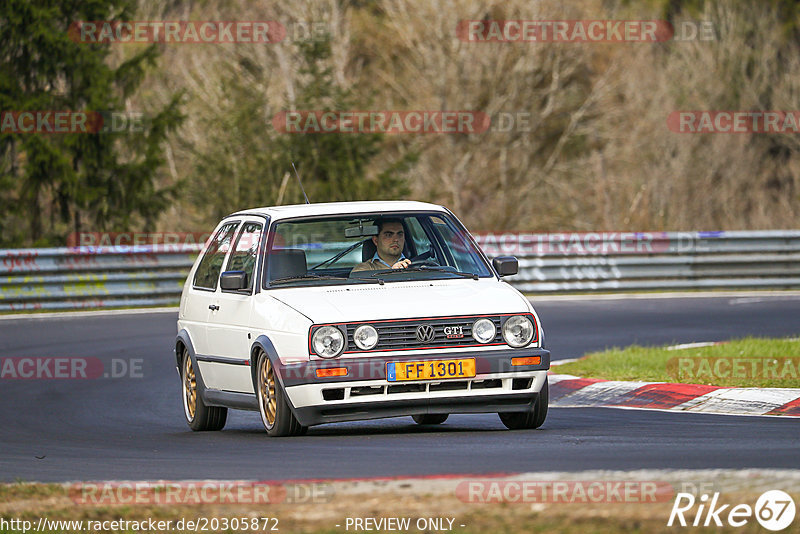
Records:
x=402, y=264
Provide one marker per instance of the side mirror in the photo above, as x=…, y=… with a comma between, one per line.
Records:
x=505, y=265
x=233, y=280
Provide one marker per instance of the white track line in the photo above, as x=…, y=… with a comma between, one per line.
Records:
x=530, y=296
x=697, y=345
x=540, y=297
x=85, y=313
x=562, y=362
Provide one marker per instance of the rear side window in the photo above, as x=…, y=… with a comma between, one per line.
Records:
x=207, y=274
x=245, y=252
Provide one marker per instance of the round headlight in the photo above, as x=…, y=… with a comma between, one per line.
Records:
x=518, y=331
x=483, y=330
x=365, y=337
x=328, y=341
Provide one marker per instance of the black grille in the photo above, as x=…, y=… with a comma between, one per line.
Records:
x=398, y=335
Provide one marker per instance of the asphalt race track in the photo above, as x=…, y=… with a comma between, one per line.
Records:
x=132, y=428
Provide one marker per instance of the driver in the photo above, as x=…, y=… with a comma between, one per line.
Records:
x=389, y=244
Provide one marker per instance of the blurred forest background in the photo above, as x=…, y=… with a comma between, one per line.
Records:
x=598, y=154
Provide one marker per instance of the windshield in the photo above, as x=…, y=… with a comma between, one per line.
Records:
x=371, y=248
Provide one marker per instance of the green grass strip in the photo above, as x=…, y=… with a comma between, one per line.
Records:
x=749, y=362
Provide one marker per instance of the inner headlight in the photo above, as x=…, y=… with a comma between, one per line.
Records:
x=483, y=330
x=365, y=337
x=328, y=341
x=518, y=331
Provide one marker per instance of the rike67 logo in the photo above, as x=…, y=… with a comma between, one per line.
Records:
x=774, y=510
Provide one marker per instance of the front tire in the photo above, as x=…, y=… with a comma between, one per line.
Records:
x=277, y=417
x=430, y=418
x=199, y=417
x=531, y=419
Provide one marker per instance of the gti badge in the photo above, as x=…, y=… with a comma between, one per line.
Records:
x=454, y=332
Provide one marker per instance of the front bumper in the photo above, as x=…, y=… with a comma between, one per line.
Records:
x=365, y=393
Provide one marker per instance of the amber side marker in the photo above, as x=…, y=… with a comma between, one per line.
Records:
x=531, y=360
x=333, y=371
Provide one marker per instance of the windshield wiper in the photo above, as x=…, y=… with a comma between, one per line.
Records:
x=337, y=257
x=308, y=276
x=442, y=269
x=429, y=268
x=311, y=276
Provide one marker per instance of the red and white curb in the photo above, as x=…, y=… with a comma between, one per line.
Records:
x=567, y=391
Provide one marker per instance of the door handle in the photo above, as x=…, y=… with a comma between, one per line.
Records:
x=213, y=307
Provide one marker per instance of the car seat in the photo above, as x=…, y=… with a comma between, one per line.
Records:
x=287, y=262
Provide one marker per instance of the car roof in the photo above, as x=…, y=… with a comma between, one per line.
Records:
x=336, y=208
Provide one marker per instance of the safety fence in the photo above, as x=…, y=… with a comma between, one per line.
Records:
x=153, y=275
x=93, y=277
x=644, y=261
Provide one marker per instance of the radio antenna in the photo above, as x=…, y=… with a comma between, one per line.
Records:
x=301, y=183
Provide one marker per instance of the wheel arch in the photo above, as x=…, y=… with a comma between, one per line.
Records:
x=183, y=340
x=264, y=344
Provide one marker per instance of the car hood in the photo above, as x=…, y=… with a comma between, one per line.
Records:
x=398, y=300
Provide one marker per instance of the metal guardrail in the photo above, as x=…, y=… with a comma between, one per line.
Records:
x=92, y=277
x=640, y=261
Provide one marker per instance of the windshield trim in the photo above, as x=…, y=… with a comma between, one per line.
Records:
x=358, y=281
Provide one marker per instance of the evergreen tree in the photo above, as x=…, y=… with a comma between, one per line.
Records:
x=336, y=164
x=55, y=183
x=249, y=159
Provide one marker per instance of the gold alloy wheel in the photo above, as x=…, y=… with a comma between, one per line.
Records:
x=189, y=387
x=266, y=384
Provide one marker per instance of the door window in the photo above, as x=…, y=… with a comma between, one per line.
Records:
x=207, y=274
x=245, y=251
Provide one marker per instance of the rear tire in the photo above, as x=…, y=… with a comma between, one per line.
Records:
x=430, y=418
x=277, y=417
x=530, y=419
x=199, y=417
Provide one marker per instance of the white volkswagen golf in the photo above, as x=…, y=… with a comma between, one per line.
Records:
x=322, y=313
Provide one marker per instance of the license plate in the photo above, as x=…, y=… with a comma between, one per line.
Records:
x=430, y=369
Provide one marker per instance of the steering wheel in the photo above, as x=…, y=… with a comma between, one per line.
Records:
x=426, y=258
x=421, y=263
